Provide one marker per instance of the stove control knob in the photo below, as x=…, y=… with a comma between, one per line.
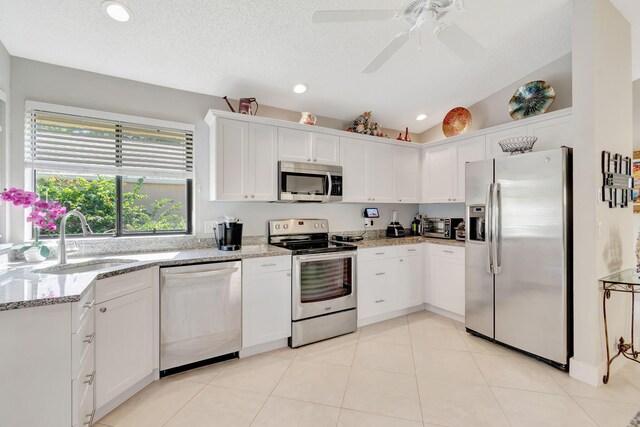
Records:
x=277, y=226
x=315, y=225
x=324, y=225
x=285, y=226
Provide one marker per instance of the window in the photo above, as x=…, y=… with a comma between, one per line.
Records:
x=128, y=176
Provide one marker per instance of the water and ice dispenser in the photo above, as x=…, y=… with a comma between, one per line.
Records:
x=476, y=229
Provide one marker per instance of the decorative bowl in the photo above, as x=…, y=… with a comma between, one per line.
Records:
x=532, y=99
x=518, y=145
x=456, y=122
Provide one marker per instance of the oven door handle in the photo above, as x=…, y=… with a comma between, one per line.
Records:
x=325, y=256
x=329, y=186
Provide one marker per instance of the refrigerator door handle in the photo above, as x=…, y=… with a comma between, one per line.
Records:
x=495, y=226
x=489, y=228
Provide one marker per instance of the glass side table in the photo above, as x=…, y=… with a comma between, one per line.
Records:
x=626, y=281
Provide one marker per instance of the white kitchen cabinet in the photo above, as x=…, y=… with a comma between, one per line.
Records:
x=445, y=285
x=368, y=171
x=444, y=169
x=552, y=133
x=355, y=167
x=389, y=280
x=309, y=147
x=438, y=172
x=266, y=300
x=406, y=166
x=409, y=278
x=245, y=159
x=376, y=280
x=471, y=150
x=124, y=336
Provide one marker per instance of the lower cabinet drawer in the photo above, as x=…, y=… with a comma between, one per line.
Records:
x=81, y=309
x=455, y=252
x=124, y=284
x=82, y=344
x=82, y=391
x=373, y=254
x=266, y=265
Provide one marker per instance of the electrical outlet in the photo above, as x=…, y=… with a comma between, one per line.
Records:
x=368, y=222
x=209, y=226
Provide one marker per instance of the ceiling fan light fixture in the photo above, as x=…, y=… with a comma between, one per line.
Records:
x=300, y=88
x=116, y=11
x=421, y=117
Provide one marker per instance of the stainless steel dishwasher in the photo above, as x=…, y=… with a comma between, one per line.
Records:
x=200, y=314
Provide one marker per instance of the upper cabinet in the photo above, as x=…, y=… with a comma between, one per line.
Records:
x=406, y=166
x=368, y=172
x=301, y=146
x=552, y=133
x=245, y=159
x=493, y=139
x=471, y=150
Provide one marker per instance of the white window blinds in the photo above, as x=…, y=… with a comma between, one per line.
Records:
x=81, y=143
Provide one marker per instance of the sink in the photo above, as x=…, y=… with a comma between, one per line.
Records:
x=84, y=267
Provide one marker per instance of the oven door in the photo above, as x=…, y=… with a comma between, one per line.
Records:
x=322, y=284
x=434, y=227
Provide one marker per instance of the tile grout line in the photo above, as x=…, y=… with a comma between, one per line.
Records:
x=253, y=420
x=504, y=414
x=186, y=403
x=415, y=372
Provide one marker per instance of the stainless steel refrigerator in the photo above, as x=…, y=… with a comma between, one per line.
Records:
x=519, y=253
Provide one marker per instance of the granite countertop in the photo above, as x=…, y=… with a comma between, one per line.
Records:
x=21, y=286
x=408, y=240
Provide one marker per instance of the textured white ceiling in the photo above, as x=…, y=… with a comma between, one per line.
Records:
x=245, y=48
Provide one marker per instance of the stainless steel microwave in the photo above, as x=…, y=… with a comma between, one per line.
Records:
x=309, y=182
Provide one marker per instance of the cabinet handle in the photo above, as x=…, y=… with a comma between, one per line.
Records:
x=401, y=260
x=308, y=160
x=380, y=274
x=89, y=338
x=271, y=264
x=378, y=301
x=447, y=252
x=253, y=195
x=288, y=274
x=449, y=199
x=246, y=197
x=103, y=309
x=88, y=305
x=411, y=250
x=90, y=416
x=91, y=377
x=315, y=160
x=379, y=253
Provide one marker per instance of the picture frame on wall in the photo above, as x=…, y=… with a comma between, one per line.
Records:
x=636, y=182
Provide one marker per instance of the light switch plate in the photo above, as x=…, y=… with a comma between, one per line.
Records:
x=209, y=226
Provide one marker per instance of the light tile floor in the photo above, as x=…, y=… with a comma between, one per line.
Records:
x=415, y=370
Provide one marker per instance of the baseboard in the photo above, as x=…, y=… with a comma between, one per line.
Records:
x=389, y=315
x=262, y=348
x=585, y=372
x=126, y=395
x=443, y=312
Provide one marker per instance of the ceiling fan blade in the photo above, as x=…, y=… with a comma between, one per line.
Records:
x=386, y=53
x=460, y=43
x=325, y=16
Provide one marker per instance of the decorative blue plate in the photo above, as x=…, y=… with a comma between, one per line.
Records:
x=532, y=99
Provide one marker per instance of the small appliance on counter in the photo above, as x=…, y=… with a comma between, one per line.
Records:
x=440, y=228
x=461, y=233
x=228, y=233
x=395, y=229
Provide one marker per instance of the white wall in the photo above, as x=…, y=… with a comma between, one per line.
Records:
x=494, y=109
x=5, y=86
x=602, y=120
x=38, y=81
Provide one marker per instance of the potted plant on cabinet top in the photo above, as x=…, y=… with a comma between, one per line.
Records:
x=43, y=215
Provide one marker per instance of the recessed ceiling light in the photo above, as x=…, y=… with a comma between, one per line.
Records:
x=116, y=10
x=421, y=117
x=300, y=88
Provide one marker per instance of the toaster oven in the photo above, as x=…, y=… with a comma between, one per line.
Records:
x=440, y=228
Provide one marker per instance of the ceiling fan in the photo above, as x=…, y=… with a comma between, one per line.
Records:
x=415, y=13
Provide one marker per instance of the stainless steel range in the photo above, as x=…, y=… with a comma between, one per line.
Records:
x=323, y=285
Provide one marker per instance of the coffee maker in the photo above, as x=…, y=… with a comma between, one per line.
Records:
x=228, y=233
